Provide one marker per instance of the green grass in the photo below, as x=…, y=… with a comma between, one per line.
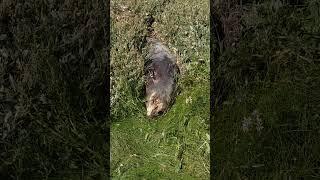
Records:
x=274, y=72
x=52, y=93
x=175, y=146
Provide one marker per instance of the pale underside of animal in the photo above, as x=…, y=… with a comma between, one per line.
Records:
x=161, y=75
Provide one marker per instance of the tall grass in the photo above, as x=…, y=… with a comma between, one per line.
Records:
x=52, y=90
x=269, y=124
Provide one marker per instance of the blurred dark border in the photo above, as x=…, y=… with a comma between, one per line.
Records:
x=219, y=88
x=98, y=124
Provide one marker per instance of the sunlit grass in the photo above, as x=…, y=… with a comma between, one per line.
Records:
x=176, y=145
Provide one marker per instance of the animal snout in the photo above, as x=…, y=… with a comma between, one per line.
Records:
x=155, y=113
x=160, y=113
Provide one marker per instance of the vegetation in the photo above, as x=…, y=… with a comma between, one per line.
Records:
x=52, y=90
x=53, y=120
x=174, y=146
x=268, y=126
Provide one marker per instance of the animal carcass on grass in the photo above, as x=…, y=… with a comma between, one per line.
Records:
x=161, y=73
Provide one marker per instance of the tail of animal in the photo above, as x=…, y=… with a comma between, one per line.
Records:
x=156, y=49
x=150, y=35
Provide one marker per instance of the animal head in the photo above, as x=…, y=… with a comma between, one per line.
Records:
x=156, y=104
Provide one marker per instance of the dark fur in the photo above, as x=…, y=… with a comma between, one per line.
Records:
x=161, y=75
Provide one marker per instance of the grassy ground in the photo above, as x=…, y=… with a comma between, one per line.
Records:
x=52, y=105
x=269, y=125
x=175, y=146
x=52, y=90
